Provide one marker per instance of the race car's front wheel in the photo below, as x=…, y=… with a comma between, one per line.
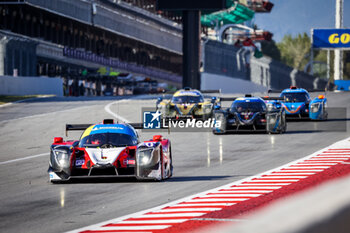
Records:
x=283, y=125
x=170, y=174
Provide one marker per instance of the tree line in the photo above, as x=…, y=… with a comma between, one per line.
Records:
x=295, y=52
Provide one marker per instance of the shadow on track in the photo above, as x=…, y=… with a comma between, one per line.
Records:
x=94, y=180
x=340, y=119
x=198, y=178
x=305, y=131
x=134, y=180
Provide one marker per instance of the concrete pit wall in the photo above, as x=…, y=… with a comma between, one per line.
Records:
x=229, y=85
x=30, y=86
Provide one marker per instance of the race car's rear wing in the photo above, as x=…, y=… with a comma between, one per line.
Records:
x=227, y=98
x=308, y=90
x=210, y=91
x=264, y=98
x=202, y=91
x=77, y=127
x=273, y=98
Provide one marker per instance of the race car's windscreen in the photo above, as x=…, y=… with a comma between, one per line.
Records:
x=295, y=97
x=248, y=106
x=187, y=99
x=108, y=140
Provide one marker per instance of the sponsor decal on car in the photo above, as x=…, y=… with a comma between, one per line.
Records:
x=191, y=123
x=79, y=162
x=106, y=127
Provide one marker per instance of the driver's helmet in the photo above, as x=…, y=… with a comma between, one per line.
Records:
x=97, y=139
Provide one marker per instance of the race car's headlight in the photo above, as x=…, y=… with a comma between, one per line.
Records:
x=315, y=107
x=62, y=158
x=207, y=108
x=163, y=109
x=272, y=118
x=219, y=116
x=270, y=107
x=144, y=156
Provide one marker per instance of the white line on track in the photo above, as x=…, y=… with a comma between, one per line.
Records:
x=108, y=110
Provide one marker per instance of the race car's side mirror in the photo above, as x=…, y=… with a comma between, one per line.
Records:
x=157, y=138
x=58, y=140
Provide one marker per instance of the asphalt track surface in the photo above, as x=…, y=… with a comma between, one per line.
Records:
x=202, y=161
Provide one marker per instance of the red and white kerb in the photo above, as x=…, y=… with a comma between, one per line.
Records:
x=161, y=218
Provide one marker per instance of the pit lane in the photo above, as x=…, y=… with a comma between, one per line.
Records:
x=202, y=161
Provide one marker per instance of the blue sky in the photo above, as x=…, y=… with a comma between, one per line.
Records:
x=298, y=16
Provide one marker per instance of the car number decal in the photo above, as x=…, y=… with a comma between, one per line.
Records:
x=79, y=162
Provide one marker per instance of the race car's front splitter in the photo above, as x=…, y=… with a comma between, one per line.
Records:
x=54, y=177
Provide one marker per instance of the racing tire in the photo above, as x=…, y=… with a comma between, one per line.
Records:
x=206, y=116
x=58, y=181
x=162, y=168
x=55, y=182
x=219, y=133
x=325, y=116
x=171, y=163
x=283, y=128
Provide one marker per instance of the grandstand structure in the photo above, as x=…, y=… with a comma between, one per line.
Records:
x=64, y=37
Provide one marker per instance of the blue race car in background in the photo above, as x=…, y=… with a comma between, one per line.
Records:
x=248, y=113
x=298, y=104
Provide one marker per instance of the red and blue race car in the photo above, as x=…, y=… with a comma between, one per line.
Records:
x=110, y=150
x=298, y=104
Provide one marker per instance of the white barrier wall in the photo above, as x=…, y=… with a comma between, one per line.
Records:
x=10, y=85
x=229, y=84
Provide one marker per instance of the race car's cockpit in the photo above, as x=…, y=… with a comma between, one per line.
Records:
x=109, y=135
x=187, y=99
x=255, y=105
x=187, y=96
x=295, y=97
x=108, y=140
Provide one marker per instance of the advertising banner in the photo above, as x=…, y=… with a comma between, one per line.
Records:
x=331, y=38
